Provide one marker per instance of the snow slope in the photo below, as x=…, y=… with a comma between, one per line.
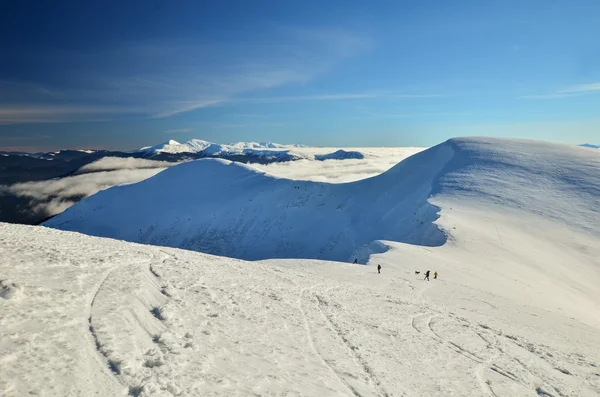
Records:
x=515, y=311
x=101, y=317
x=230, y=209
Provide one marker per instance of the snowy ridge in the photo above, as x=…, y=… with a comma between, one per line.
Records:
x=247, y=214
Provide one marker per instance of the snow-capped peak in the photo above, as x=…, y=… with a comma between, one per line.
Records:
x=210, y=148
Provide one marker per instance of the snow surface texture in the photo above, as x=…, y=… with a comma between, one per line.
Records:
x=229, y=209
x=101, y=317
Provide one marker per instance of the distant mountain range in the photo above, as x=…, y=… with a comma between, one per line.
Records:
x=194, y=148
x=19, y=167
x=252, y=151
x=210, y=148
x=58, y=168
x=590, y=146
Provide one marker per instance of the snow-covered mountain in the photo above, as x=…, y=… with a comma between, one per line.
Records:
x=230, y=209
x=512, y=313
x=210, y=149
x=511, y=227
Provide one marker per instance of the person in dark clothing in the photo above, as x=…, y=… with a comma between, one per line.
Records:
x=378, y=268
x=426, y=275
x=356, y=260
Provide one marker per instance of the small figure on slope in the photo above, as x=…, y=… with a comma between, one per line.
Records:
x=435, y=275
x=378, y=268
x=426, y=275
x=356, y=260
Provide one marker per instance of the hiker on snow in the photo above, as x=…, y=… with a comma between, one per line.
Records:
x=355, y=260
x=378, y=268
x=426, y=275
x=435, y=275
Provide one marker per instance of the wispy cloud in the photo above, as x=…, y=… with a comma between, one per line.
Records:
x=414, y=96
x=338, y=97
x=166, y=78
x=323, y=97
x=50, y=113
x=248, y=125
x=407, y=115
x=250, y=116
x=178, y=130
x=576, y=90
x=593, y=87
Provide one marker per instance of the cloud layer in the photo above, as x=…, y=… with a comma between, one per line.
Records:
x=576, y=90
x=340, y=171
x=51, y=197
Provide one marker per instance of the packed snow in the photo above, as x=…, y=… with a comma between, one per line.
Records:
x=511, y=227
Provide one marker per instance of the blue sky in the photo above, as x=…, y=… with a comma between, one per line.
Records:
x=126, y=74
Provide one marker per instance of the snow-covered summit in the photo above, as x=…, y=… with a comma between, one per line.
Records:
x=170, y=146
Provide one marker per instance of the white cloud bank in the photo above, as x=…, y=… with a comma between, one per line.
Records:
x=377, y=160
x=51, y=197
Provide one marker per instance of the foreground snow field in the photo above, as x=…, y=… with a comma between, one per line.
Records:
x=512, y=227
x=100, y=317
